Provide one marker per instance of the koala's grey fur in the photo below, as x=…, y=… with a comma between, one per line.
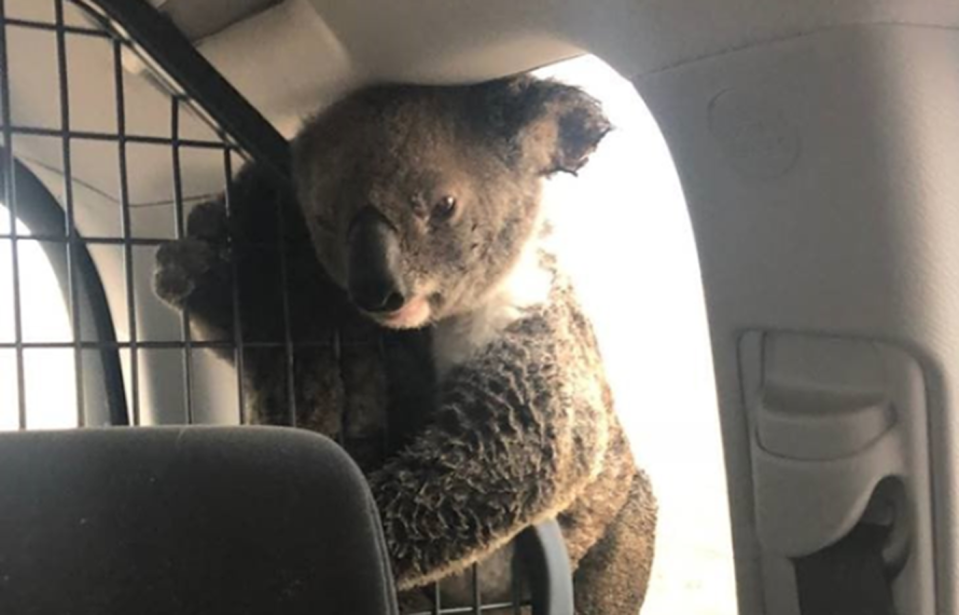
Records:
x=507, y=416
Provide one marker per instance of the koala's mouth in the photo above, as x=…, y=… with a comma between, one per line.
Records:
x=415, y=313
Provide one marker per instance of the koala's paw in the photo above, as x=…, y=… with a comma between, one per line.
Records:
x=181, y=267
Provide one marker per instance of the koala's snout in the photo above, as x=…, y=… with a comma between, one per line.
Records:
x=374, y=275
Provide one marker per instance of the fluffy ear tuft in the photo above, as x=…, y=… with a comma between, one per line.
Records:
x=550, y=125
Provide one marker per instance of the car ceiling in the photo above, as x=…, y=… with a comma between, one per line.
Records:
x=289, y=58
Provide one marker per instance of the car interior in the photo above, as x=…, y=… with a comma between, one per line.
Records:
x=804, y=147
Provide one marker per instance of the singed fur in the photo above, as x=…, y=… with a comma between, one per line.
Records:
x=504, y=414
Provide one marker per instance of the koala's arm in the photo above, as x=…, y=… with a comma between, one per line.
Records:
x=193, y=273
x=227, y=266
x=512, y=444
x=197, y=271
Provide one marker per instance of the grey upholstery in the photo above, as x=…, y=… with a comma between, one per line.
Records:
x=196, y=520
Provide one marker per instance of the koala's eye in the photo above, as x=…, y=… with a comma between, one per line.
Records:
x=444, y=208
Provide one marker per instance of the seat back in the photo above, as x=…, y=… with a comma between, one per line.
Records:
x=196, y=520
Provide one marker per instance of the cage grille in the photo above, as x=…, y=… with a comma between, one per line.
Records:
x=42, y=180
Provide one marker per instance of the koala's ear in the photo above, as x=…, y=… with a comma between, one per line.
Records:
x=550, y=125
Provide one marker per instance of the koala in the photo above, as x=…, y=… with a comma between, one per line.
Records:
x=416, y=230
x=337, y=381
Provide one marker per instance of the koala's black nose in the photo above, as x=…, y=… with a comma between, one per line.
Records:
x=374, y=264
x=375, y=298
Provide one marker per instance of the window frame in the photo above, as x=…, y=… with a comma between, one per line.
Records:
x=103, y=385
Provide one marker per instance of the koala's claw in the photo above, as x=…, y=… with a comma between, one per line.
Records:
x=180, y=267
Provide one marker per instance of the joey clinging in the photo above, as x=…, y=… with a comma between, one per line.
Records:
x=420, y=200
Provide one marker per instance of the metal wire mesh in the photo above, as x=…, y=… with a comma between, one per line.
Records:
x=126, y=337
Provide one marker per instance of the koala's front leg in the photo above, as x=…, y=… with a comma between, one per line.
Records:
x=511, y=446
x=194, y=272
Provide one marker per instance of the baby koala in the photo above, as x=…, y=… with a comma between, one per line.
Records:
x=423, y=212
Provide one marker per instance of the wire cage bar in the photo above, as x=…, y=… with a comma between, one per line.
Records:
x=120, y=361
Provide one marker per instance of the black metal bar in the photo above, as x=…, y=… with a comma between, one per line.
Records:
x=466, y=610
x=341, y=437
x=72, y=276
x=477, y=599
x=40, y=131
x=180, y=220
x=238, y=348
x=10, y=198
x=437, y=599
x=176, y=56
x=381, y=349
x=39, y=25
x=170, y=345
x=108, y=241
x=128, y=265
x=285, y=297
x=516, y=591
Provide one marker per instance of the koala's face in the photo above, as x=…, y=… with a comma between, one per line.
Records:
x=420, y=199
